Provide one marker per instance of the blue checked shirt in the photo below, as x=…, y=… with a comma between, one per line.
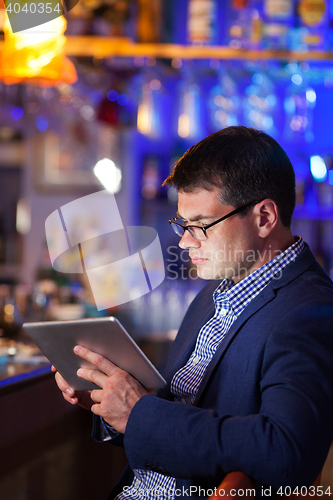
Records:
x=230, y=301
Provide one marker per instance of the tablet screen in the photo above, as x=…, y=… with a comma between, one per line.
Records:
x=105, y=336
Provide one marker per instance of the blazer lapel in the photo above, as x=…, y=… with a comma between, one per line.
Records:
x=187, y=337
x=254, y=306
x=179, y=357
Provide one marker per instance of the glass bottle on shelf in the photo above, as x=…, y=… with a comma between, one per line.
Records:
x=256, y=25
x=201, y=28
x=149, y=22
x=189, y=120
x=239, y=24
x=313, y=25
x=278, y=22
x=148, y=116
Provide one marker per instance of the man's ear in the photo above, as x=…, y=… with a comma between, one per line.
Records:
x=267, y=217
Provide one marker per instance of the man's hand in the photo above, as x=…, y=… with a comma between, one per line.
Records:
x=74, y=397
x=119, y=391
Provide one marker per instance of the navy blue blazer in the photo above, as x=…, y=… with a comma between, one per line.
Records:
x=265, y=405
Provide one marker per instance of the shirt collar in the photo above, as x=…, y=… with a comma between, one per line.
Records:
x=240, y=294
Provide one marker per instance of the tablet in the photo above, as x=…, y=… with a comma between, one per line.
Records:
x=105, y=336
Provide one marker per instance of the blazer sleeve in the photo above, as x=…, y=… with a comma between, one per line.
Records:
x=285, y=443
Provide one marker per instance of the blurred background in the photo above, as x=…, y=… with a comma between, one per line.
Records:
x=109, y=97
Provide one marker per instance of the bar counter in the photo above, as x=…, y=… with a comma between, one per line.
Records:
x=45, y=445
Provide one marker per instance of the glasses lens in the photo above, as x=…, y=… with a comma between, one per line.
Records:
x=179, y=230
x=197, y=233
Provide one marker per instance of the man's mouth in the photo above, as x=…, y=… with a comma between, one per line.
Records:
x=197, y=260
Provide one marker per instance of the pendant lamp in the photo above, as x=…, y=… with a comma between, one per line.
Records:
x=36, y=56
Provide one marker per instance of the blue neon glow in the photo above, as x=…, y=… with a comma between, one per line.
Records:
x=41, y=123
x=17, y=113
x=122, y=99
x=112, y=95
x=25, y=376
x=330, y=177
x=318, y=168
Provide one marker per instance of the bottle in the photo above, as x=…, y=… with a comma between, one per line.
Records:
x=256, y=25
x=313, y=23
x=190, y=123
x=149, y=21
x=278, y=21
x=239, y=24
x=149, y=109
x=201, y=29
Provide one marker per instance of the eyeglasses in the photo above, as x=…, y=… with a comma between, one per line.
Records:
x=200, y=232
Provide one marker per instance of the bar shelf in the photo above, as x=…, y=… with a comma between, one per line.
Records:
x=105, y=47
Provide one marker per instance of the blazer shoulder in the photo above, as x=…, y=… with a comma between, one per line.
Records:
x=305, y=273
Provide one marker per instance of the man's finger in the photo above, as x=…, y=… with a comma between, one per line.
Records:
x=63, y=385
x=96, y=409
x=103, y=364
x=95, y=376
x=67, y=392
x=96, y=396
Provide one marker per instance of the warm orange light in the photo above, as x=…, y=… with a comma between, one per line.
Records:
x=36, y=57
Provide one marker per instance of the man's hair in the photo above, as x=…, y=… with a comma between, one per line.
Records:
x=245, y=164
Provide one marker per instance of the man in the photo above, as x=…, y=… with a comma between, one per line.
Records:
x=250, y=375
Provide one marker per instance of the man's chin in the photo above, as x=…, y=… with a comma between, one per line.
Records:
x=208, y=274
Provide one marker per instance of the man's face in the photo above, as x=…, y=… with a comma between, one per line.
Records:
x=232, y=246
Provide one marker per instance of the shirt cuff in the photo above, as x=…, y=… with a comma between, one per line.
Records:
x=107, y=432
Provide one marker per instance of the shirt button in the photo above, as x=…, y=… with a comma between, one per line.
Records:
x=195, y=360
x=224, y=312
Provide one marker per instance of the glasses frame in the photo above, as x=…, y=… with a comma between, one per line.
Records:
x=204, y=228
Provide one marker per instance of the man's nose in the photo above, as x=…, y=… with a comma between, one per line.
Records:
x=187, y=241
